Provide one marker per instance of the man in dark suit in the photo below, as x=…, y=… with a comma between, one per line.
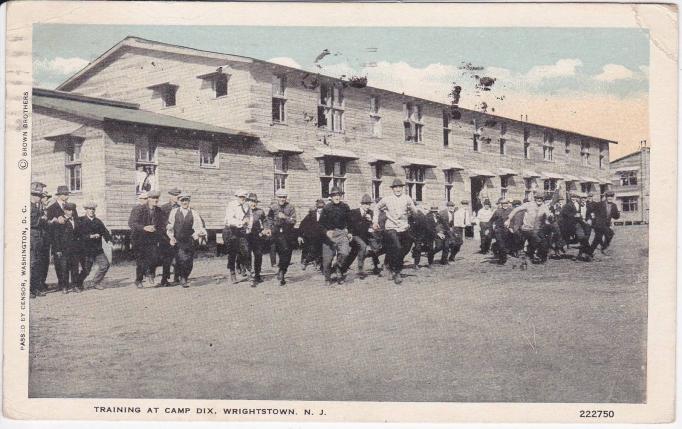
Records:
x=310, y=236
x=281, y=219
x=168, y=252
x=184, y=227
x=255, y=236
x=423, y=230
x=91, y=230
x=602, y=214
x=66, y=250
x=360, y=226
x=573, y=224
x=38, y=238
x=55, y=217
x=146, y=224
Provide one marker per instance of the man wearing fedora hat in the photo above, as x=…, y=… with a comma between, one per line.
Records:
x=147, y=226
x=397, y=240
x=280, y=225
x=255, y=237
x=237, y=218
x=91, y=231
x=168, y=252
x=55, y=216
x=183, y=228
x=334, y=221
x=360, y=225
x=38, y=236
x=66, y=250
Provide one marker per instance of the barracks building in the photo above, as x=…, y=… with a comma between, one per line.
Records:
x=631, y=175
x=149, y=115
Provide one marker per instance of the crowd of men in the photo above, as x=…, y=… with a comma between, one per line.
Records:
x=332, y=235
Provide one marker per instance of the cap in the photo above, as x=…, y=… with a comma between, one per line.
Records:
x=62, y=190
x=335, y=191
x=396, y=183
x=90, y=205
x=174, y=191
x=609, y=193
x=548, y=196
x=366, y=199
x=240, y=193
x=450, y=204
x=252, y=197
x=183, y=196
x=465, y=202
x=281, y=193
x=142, y=196
x=69, y=206
x=590, y=195
x=320, y=202
x=486, y=202
x=574, y=195
x=37, y=188
x=153, y=194
x=434, y=208
x=516, y=202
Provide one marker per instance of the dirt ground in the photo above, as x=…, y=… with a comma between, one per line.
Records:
x=473, y=331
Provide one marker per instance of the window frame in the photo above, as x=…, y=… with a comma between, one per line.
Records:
x=331, y=105
x=629, y=204
x=73, y=164
x=628, y=178
x=415, y=179
x=280, y=171
x=213, y=150
x=332, y=178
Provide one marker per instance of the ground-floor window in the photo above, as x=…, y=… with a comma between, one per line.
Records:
x=585, y=187
x=415, y=182
x=629, y=204
x=281, y=172
x=73, y=177
x=332, y=173
x=550, y=184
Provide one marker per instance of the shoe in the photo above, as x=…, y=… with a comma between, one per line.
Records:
x=257, y=278
x=362, y=275
x=183, y=282
x=65, y=291
x=164, y=284
x=139, y=284
x=444, y=262
x=606, y=252
x=502, y=261
x=416, y=267
x=32, y=295
x=429, y=266
x=282, y=282
x=342, y=279
x=151, y=280
x=280, y=275
x=99, y=287
x=77, y=290
x=233, y=278
x=328, y=282
x=377, y=271
x=304, y=266
x=41, y=293
x=397, y=278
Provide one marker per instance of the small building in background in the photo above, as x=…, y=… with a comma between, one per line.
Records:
x=631, y=186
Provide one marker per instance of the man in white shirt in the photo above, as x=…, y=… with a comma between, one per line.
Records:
x=397, y=239
x=461, y=218
x=482, y=218
x=237, y=218
x=184, y=226
x=536, y=216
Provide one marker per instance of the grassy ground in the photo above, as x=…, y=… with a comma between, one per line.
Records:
x=564, y=332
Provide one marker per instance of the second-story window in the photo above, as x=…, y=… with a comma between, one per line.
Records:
x=526, y=144
x=567, y=145
x=476, y=137
x=628, y=178
x=547, y=153
x=449, y=182
x=503, y=146
x=166, y=92
x=220, y=85
x=279, y=100
x=415, y=182
x=377, y=173
x=412, y=122
x=603, y=151
x=330, y=107
x=73, y=164
x=585, y=153
x=374, y=116
x=446, y=128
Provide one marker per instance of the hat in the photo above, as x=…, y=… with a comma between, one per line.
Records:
x=574, y=195
x=539, y=196
x=174, y=191
x=434, y=208
x=183, y=196
x=366, y=199
x=252, y=197
x=153, y=194
x=37, y=188
x=590, y=195
x=450, y=204
x=62, y=190
x=609, y=193
x=69, y=206
x=240, y=193
x=465, y=202
x=548, y=196
x=142, y=196
x=396, y=183
x=90, y=205
x=280, y=193
x=486, y=202
x=320, y=202
x=335, y=191
x=516, y=202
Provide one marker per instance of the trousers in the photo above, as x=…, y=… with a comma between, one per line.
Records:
x=237, y=249
x=87, y=262
x=338, y=244
x=256, y=248
x=67, y=270
x=397, y=245
x=283, y=249
x=602, y=236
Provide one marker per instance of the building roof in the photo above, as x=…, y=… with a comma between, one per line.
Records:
x=141, y=43
x=101, y=109
x=629, y=155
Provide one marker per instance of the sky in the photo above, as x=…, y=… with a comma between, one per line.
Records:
x=589, y=80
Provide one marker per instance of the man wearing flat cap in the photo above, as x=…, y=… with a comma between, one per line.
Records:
x=183, y=228
x=280, y=225
x=91, y=231
x=397, y=240
x=503, y=237
x=335, y=225
x=168, y=252
x=360, y=225
x=255, y=237
x=38, y=238
x=65, y=249
x=237, y=219
x=603, y=213
x=310, y=236
x=147, y=226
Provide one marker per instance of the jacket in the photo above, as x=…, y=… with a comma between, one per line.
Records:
x=65, y=238
x=141, y=216
x=602, y=219
x=281, y=225
x=359, y=224
x=86, y=227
